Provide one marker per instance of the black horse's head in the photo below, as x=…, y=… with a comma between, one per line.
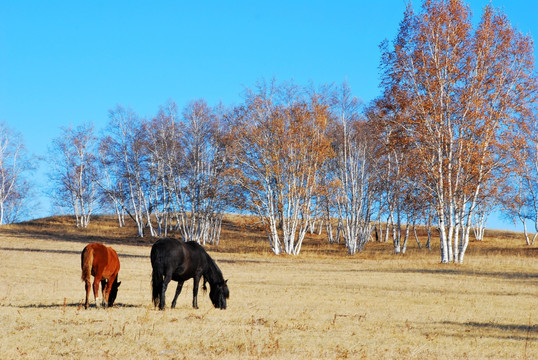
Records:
x=113, y=292
x=219, y=293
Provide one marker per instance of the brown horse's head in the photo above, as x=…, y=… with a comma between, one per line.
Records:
x=113, y=292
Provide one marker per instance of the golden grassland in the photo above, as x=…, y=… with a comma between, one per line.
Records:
x=320, y=304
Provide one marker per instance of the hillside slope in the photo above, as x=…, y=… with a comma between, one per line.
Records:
x=243, y=234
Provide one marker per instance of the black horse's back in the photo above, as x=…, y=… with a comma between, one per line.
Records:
x=176, y=260
x=165, y=244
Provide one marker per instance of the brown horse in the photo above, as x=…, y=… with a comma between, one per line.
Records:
x=102, y=262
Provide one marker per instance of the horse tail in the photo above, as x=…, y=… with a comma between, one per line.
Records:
x=156, y=276
x=86, y=260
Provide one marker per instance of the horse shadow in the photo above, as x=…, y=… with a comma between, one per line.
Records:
x=522, y=332
x=78, y=305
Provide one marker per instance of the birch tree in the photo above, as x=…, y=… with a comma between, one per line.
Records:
x=74, y=171
x=163, y=137
x=352, y=169
x=14, y=186
x=397, y=179
x=168, y=173
x=206, y=181
x=111, y=189
x=459, y=95
x=126, y=147
x=519, y=196
x=279, y=144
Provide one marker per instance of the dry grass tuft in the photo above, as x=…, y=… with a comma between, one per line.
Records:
x=321, y=304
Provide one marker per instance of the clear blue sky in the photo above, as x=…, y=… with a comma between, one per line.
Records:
x=68, y=62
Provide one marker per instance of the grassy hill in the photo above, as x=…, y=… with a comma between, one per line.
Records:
x=242, y=234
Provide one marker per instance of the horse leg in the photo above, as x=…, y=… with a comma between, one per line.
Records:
x=110, y=282
x=105, y=288
x=96, y=281
x=167, y=279
x=87, y=286
x=178, y=291
x=196, y=280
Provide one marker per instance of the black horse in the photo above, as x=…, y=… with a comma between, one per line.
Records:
x=176, y=260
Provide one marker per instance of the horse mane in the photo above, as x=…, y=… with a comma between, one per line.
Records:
x=213, y=275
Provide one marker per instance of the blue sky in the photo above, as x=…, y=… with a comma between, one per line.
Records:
x=66, y=63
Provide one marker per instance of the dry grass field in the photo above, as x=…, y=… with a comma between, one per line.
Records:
x=321, y=304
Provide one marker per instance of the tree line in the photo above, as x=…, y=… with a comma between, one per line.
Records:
x=293, y=156
x=452, y=136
